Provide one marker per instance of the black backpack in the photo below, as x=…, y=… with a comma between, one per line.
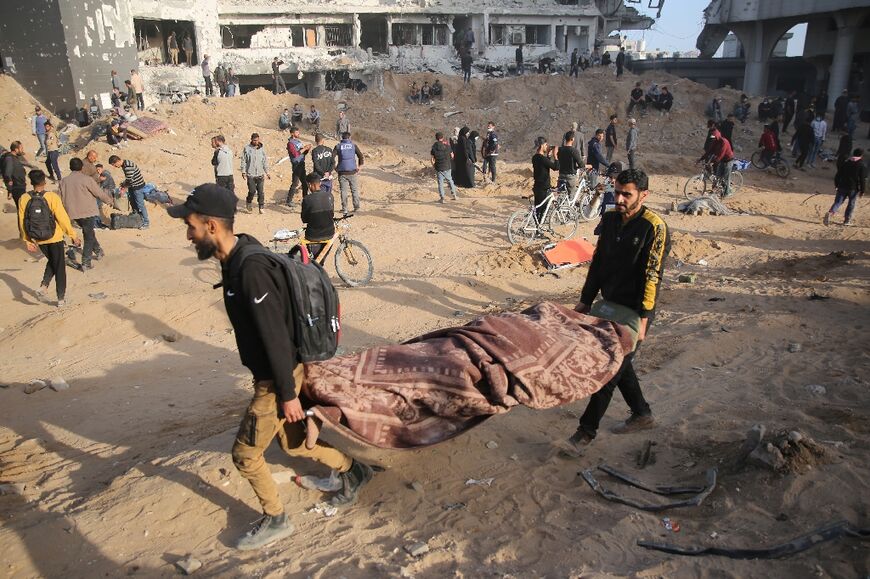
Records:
x=39, y=221
x=316, y=311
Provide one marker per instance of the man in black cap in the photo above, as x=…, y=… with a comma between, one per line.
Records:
x=257, y=301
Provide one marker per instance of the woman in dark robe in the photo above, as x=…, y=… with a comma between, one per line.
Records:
x=471, y=149
x=460, y=157
x=840, y=106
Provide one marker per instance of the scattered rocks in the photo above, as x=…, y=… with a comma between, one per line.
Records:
x=35, y=386
x=816, y=389
x=794, y=347
x=417, y=486
x=171, y=336
x=492, y=445
x=686, y=278
x=769, y=456
x=417, y=549
x=97, y=296
x=57, y=384
x=753, y=440
x=189, y=565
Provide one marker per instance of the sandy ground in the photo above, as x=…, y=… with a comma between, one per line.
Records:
x=129, y=470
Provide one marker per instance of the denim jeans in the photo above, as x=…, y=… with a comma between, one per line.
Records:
x=724, y=171
x=814, y=150
x=447, y=176
x=52, y=165
x=41, y=138
x=137, y=204
x=842, y=195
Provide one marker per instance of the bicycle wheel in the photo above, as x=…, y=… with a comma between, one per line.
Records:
x=697, y=186
x=783, y=168
x=736, y=181
x=353, y=263
x=563, y=222
x=756, y=161
x=590, y=204
x=521, y=227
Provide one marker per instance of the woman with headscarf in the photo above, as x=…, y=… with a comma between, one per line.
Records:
x=471, y=150
x=460, y=158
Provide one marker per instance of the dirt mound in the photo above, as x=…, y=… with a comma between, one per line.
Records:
x=516, y=259
x=687, y=248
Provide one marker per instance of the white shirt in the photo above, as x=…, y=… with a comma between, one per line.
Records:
x=820, y=128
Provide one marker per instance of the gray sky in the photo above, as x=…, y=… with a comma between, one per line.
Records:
x=682, y=21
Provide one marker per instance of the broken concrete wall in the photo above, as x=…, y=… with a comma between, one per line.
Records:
x=99, y=38
x=39, y=62
x=203, y=14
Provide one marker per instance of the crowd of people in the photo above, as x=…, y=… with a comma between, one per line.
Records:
x=425, y=93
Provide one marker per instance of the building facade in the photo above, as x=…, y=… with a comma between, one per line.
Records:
x=325, y=45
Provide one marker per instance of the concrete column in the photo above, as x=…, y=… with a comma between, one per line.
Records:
x=483, y=39
x=553, y=42
x=564, y=39
x=389, y=31
x=355, y=30
x=755, y=73
x=844, y=50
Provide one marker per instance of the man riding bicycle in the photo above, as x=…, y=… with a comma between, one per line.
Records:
x=768, y=146
x=317, y=215
x=721, y=157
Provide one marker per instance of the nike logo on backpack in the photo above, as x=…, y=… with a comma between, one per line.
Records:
x=230, y=293
x=258, y=300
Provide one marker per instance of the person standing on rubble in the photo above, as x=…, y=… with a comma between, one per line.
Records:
x=519, y=59
x=255, y=168
x=626, y=270
x=297, y=151
x=187, y=45
x=631, y=144
x=280, y=87
x=489, y=151
x=465, y=62
x=173, y=48
x=342, y=125
x=349, y=159
x=610, y=139
x=206, y=75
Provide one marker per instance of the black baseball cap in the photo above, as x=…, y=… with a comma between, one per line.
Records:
x=207, y=199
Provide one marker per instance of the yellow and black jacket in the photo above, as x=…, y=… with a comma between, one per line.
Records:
x=628, y=262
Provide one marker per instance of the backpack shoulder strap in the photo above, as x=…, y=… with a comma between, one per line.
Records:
x=244, y=253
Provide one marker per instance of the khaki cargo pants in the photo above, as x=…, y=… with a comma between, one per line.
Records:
x=259, y=427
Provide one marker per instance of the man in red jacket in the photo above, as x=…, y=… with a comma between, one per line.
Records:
x=768, y=145
x=721, y=156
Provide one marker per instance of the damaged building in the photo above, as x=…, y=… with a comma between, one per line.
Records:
x=325, y=45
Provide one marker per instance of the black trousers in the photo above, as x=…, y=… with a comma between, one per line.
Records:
x=209, y=88
x=55, y=266
x=226, y=182
x=629, y=386
x=255, y=187
x=90, y=244
x=16, y=193
x=298, y=177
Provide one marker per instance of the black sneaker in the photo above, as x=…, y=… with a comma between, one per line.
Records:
x=267, y=530
x=86, y=266
x=249, y=208
x=351, y=482
x=99, y=254
x=573, y=447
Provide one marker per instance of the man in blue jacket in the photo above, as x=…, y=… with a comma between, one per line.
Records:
x=349, y=159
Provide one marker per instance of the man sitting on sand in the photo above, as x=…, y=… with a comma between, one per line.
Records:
x=297, y=114
x=284, y=121
x=257, y=301
x=314, y=119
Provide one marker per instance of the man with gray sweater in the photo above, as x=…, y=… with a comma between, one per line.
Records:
x=255, y=169
x=222, y=160
x=79, y=194
x=631, y=144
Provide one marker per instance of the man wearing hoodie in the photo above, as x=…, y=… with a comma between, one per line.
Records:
x=258, y=303
x=255, y=169
x=722, y=156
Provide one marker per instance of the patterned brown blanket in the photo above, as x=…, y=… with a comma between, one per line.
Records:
x=437, y=386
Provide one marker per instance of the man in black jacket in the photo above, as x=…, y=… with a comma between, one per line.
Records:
x=596, y=157
x=569, y=162
x=610, y=140
x=318, y=208
x=12, y=167
x=626, y=269
x=442, y=161
x=258, y=303
x=849, y=181
x=323, y=159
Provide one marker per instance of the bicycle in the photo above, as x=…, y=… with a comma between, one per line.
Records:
x=353, y=262
x=709, y=182
x=780, y=165
x=560, y=217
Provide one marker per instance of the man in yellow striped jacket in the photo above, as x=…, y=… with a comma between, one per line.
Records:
x=627, y=271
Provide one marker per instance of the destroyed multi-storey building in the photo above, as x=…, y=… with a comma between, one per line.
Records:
x=325, y=45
